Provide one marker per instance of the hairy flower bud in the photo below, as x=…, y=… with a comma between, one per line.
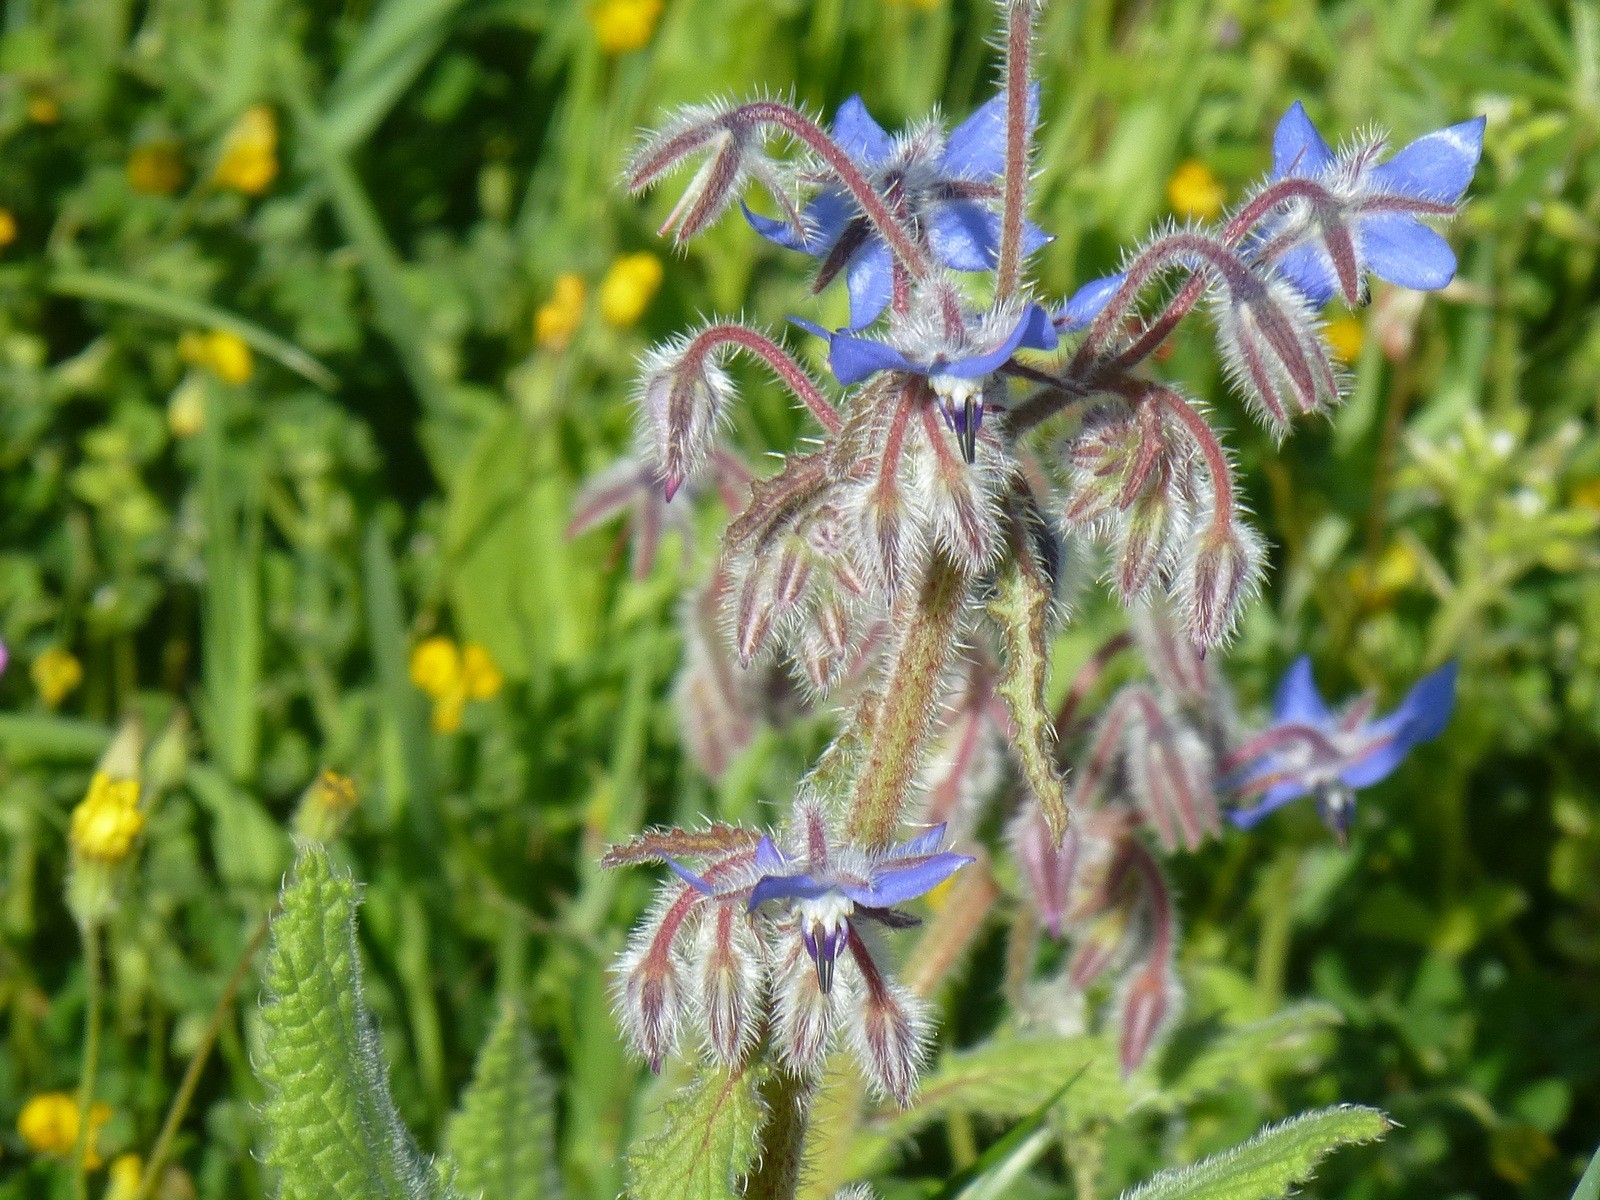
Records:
x=732, y=148
x=1150, y=1001
x=683, y=394
x=648, y=994
x=1172, y=773
x=730, y=976
x=806, y=1014
x=1273, y=351
x=1220, y=573
x=1049, y=864
x=889, y=1036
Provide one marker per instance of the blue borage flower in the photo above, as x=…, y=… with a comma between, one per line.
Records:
x=941, y=187
x=827, y=885
x=955, y=353
x=1364, y=214
x=1311, y=750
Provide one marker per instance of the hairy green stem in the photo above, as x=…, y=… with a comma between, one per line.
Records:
x=905, y=716
x=783, y=1141
x=191, y=1076
x=91, y=1061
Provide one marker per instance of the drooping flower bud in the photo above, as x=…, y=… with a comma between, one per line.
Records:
x=1150, y=1001
x=732, y=147
x=806, y=1014
x=1050, y=864
x=649, y=990
x=683, y=394
x=1220, y=574
x=1273, y=351
x=1171, y=772
x=889, y=1035
x=729, y=968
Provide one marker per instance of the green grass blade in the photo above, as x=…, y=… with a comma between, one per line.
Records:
x=108, y=288
x=1589, y=1185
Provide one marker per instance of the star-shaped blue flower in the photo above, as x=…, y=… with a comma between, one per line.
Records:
x=1375, y=225
x=1311, y=750
x=955, y=365
x=943, y=187
x=829, y=885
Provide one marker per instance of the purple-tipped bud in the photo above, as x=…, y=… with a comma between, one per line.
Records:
x=649, y=993
x=955, y=500
x=1274, y=353
x=753, y=618
x=1172, y=774
x=890, y=1037
x=1050, y=865
x=1148, y=538
x=1149, y=1003
x=683, y=394
x=883, y=526
x=730, y=983
x=1221, y=572
x=791, y=574
x=806, y=1014
x=732, y=150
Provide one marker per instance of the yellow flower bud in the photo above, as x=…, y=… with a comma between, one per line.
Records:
x=622, y=26
x=1345, y=336
x=8, y=228
x=186, y=409
x=48, y=1124
x=55, y=673
x=436, y=667
x=229, y=357
x=325, y=806
x=249, y=160
x=107, y=820
x=1194, y=191
x=122, y=1181
x=629, y=287
x=155, y=168
x=482, y=676
x=559, y=317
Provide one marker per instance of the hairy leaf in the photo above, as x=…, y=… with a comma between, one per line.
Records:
x=502, y=1140
x=1271, y=1163
x=707, y=1143
x=332, y=1129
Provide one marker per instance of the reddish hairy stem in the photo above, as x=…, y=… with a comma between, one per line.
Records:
x=776, y=357
x=872, y=206
x=1019, y=45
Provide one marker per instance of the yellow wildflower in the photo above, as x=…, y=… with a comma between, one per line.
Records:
x=1396, y=570
x=230, y=357
x=48, y=1123
x=1345, y=336
x=559, y=317
x=43, y=109
x=186, y=409
x=482, y=677
x=122, y=1180
x=629, y=287
x=226, y=355
x=924, y=5
x=155, y=168
x=8, y=228
x=107, y=820
x=436, y=667
x=249, y=160
x=55, y=673
x=622, y=26
x=1195, y=191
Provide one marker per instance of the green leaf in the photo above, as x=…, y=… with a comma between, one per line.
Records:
x=707, y=1143
x=1289, y=1035
x=502, y=1140
x=1269, y=1164
x=332, y=1129
x=1589, y=1185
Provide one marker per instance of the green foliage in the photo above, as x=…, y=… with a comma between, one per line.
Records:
x=1271, y=1163
x=502, y=1140
x=332, y=1129
x=707, y=1143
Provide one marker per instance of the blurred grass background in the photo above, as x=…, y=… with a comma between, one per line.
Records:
x=314, y=316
